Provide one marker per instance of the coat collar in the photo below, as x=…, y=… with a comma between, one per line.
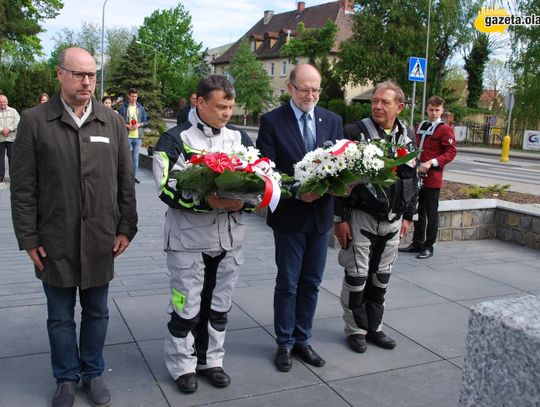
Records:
x=55, y=109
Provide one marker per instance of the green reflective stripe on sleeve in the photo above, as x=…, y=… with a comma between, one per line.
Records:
x=165, y=159
x=178, y=300
x=190, y=150
x=185, y=204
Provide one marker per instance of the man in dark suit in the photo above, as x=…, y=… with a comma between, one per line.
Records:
x=183, y=113
x=301, y=224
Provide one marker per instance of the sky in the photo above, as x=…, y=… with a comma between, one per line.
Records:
x=215, y=22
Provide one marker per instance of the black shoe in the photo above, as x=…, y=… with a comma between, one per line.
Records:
x=187, y=383
x=425, y=254
x=308, y=355
x=137, y=181
x=283, y=359
x=65, y=394
x=98, y=393
x=380, y=339
x=216, y=376
x=357, y=343
x=412, y=248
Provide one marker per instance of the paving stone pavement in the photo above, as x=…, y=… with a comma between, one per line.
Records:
x=427, y=313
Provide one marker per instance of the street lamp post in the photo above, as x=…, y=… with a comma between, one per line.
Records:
x=102, y=47
x=427, y=62
x=155, y=57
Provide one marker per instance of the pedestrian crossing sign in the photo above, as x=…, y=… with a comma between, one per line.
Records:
x=417, y=69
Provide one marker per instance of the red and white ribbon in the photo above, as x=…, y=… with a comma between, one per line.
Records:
x=263, y=169
x=340, y=146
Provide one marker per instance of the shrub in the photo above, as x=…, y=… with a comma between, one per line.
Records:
x=150, y=139
x=337, y=106
x=491, y=191
x=356, y=111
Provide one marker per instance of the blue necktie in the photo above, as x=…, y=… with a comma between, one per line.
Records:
x=309, y=140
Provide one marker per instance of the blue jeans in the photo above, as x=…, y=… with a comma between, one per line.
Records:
x=135, y=144
x=300, y=258
x=69, y=362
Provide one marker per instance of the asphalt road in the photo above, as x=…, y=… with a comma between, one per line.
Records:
x=523, y=175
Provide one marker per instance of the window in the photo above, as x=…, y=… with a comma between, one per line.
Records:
x=281, y=91
x=271, y=68
x=283, y=68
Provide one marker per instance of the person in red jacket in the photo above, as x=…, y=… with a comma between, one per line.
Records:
x=437, y=141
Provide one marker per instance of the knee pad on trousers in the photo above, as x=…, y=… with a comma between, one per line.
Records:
x=180, y=327
x=380, y=280
x=355, y=281
x=218, y=320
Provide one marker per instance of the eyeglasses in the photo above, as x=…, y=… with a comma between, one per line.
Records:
x=79, y=75
x=314, y=92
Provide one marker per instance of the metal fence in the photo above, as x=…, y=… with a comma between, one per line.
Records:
x=482, y=133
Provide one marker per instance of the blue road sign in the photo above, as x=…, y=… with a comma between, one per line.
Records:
x=417, y=69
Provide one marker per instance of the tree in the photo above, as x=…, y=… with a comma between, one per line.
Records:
x=454, y=86
x=316, y=44
x=169, y=32
x=252, y=83
x=313, y=43
x=23, y=83
x=118, y=40
x=386, y=34
x=88, y=37
x=331, y=82
x=20, y=22
x=474, y=66
x=497, y=76
x=525, y=65
x=136, y=71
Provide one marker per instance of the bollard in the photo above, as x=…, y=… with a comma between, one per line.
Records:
x=505, y=149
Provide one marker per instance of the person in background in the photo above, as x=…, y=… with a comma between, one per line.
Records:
x=74, y=211
x=301, y=225
x=187, y=109
x=370, y=221
x=106, y=101
x=43, y=98
x=438, y=144
x=136, y=120
x=9, y=119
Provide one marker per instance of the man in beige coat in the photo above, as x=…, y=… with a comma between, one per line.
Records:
x=74, y=211
x=9, y=119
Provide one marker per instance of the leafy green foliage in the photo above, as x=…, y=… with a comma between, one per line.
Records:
x=475, y=64
x=117, y=42
x=22, y=84
x=387, y=32
x=338, y=185
x=491, y=191
x=313, y=43
x=525, y=65
x=337, y=106
x=356, y=111
x=239, y=182
x=135, y=70
x=252, y=83
x=20, y=22
x=316, y=44
x=169, y=32
x=331, y=82
x=198, y=180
